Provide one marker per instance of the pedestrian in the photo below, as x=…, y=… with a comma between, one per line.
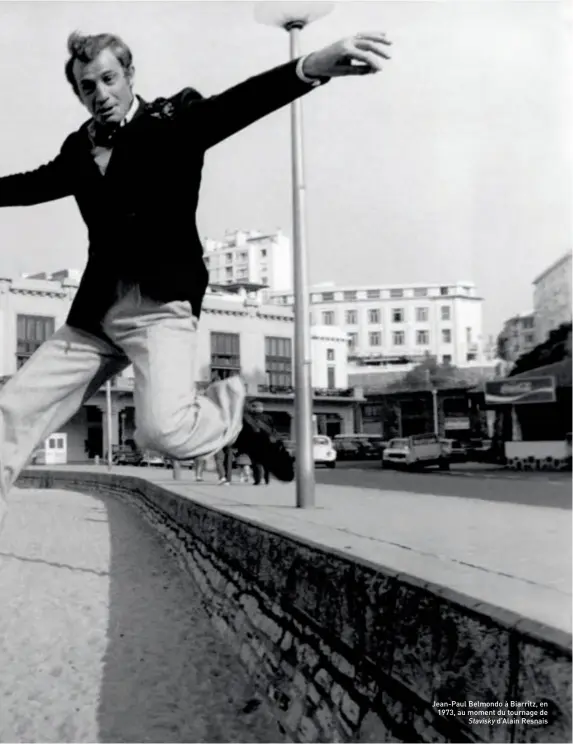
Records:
x=244, y=464
x=134, y=169
x=199, y=463
x=224, y=465
x=261, y=471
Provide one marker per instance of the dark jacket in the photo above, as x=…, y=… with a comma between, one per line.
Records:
x=140, y=215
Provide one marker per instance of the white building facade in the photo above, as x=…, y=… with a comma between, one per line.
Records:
x=237, y=334
x=387, y=325
x=552, y=297
x=250, y=257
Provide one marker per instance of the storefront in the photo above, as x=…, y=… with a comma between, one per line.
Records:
x=534, y=417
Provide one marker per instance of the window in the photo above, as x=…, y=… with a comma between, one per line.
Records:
x=398, y=315
x=528, y=322
x=471, y=357
x=243, y=256
x=351, y=317
x=444, y=291
x=331, y=377
x=447, y=359
x=330, y=355
x=225, y=355
x=529, y=338
x=398, y=338
x=373, y=294
x=264, y=279
x=328, y=296
x=228, y=272
x=446, y=336
x=422, y=314
x=229, y=257
x=207, y=259
x=31, y=332
x=420, y=292
x=468, y=335
x=328, y=317
x=396, y=293
x=422, y=338
x=350, y=296
x=352, y=340
x=263, y=252
x=375, y=339
x=445, y=312
x=278, y=361
x=374, y=316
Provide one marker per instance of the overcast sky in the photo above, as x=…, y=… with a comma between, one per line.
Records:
x=454, y=163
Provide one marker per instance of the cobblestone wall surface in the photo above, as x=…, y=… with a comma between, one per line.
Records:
x=348, y=651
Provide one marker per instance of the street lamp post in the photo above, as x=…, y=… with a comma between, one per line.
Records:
x=109, y=423
x=293, y=17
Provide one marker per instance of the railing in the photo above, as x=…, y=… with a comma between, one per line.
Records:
x=126, y=384
x=317, y=392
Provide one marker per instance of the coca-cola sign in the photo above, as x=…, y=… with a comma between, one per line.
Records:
x=517, y=392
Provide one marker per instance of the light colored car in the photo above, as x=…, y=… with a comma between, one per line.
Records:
x=152, y=460
x=323, y=451
x=417, y=451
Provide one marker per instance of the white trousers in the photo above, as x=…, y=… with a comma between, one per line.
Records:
x=160, y=341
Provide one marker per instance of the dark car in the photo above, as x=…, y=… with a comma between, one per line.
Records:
x=358, y=446
x=126, y=456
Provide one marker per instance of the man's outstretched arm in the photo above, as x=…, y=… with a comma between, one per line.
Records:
x=216, y=118
x=46, y=183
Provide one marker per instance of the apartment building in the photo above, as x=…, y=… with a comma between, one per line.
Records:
x=250, y=258
x=552, y=297
x=400, y=324
x=518, y=336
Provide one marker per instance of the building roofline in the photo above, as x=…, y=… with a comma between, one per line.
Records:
x=333, y=287
x=553, y=266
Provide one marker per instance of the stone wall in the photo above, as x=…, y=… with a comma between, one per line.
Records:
x=348, y=651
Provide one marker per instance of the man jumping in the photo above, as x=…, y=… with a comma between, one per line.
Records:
x=134, y=169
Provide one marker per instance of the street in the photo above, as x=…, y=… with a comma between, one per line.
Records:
x=533, y=489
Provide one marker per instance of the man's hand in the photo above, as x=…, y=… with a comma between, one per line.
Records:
x=361, y=54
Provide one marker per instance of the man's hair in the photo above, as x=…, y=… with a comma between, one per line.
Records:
x=85, y=48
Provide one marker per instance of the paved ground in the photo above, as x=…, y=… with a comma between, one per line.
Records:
x=485, y=483
x=103, y=640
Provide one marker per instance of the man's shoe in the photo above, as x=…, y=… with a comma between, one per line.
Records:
x=261, y=444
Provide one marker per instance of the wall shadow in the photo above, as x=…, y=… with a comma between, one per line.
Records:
x=167, y=676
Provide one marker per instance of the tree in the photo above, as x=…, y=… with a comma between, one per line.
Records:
x=429, y=374
x=556, y=348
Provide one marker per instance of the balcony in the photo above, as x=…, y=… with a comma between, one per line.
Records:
x=289, y=390
x=126, y=385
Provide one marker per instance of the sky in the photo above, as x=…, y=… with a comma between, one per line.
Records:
x=454, y=163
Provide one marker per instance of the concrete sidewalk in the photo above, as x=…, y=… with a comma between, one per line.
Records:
x=513, y=556
x=104, y=639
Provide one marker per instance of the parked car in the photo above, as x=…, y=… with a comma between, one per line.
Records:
x=153, y=460
x=126, y=456
x=358, y=446
x=322, y=449
x=416, y=451
x=457, y=451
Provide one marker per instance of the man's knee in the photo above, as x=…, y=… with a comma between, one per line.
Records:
x=161, y=434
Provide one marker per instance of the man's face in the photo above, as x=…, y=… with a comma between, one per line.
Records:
x=104, y=87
